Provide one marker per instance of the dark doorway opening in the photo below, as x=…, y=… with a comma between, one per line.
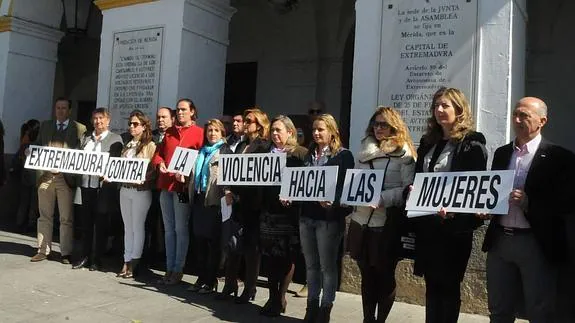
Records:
x=241, y=84
x=85, y=109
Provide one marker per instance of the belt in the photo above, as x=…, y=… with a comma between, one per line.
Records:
x=509, y=231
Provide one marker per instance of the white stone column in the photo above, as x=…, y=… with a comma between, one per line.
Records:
x=29, y=37
x=366, y=69
x=501, y=76
x=193, y=56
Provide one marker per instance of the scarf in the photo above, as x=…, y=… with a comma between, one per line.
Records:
x=202, y=171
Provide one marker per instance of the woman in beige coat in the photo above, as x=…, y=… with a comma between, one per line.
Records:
x=387, y=146
x=135, y=199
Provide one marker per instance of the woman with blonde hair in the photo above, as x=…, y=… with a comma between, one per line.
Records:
x=135, y=199
x=444, y=240
x=246, y=211
x=279, y=228
x=205, y=197
x=322, y=224
x=374, y=236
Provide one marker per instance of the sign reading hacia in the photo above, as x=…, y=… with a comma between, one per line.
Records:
x=464, y=192
x=127, y=170
x=251, y=169
x=183, y=161
x=362, y=187
x=66, y=160
x=309, y=183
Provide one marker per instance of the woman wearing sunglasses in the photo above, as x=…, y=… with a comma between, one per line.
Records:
x=374, y=233
x=247, y=210
x=135, y=199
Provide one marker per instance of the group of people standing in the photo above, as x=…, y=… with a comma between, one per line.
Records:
x=524, y=247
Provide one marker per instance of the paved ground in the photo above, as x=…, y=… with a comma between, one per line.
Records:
x=51, y=292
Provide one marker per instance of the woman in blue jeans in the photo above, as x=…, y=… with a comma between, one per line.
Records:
x=322, y=224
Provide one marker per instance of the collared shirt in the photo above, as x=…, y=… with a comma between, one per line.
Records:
x=64, y=124
x=233, y=141
x=93, y=144
x=322, y=158
x=520, y=161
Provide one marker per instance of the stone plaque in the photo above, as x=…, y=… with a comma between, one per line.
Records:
x=426, y=45
x=135, y=77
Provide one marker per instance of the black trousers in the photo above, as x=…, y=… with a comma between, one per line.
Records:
x=377, y=289
x=442, y=300
x=94, y=224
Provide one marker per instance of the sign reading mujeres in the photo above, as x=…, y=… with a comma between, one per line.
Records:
x=465, y=192
x=309, y=183
x=362, y=187
x=66, y=160
x=251, y=169
x=127, y=170
x=183, y=161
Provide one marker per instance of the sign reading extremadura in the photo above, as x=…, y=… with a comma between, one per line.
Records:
x=426, y=45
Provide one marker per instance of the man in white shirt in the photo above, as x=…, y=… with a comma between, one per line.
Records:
x=57, y=187
x=526, y=246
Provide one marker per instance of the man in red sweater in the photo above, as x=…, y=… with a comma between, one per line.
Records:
x=174, y=200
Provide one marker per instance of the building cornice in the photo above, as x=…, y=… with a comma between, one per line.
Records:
x=111, y=4
x=28, y=28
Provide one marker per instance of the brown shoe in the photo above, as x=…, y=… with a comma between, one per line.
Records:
x=175, y=278
x=38, y=257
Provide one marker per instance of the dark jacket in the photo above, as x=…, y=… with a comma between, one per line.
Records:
x=470, y=155
x=443, y=246
x=249, y=206
x=74, y=132
x=271, y=202
x=550, y=193
x=313, y=210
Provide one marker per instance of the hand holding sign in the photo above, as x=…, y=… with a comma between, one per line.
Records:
x=183, y=161
x=460, y=192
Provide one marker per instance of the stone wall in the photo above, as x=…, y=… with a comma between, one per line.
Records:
x=411, y=289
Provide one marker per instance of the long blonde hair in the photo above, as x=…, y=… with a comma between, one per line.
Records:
x=399, y=131
x=335, y=144
x=261, y=119
x=291, y=142
x=463, y=118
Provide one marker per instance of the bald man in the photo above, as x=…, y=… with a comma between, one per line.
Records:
x=526, y=246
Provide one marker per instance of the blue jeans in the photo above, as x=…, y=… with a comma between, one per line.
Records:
x=176, y=217
x=320, y=241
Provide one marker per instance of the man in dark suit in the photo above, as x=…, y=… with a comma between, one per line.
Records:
x=165, y=118
x=63, y=133
x=526, y=246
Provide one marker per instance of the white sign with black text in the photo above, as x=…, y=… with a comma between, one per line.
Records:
x=251, y=169
x=183, y=161
x=362, y=187
x=463, y=192
x=66, y=160
x=127, y=170
x=309, y=183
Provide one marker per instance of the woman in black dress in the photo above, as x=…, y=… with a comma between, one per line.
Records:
x=279, y=226
x=444, y=240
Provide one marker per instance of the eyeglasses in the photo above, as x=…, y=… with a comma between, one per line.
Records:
x=314, y=111
x=381, y=124
x=133, y=124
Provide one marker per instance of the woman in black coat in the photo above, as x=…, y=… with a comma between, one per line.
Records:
x=246, y=211
x=279, y=222
x=444, y=240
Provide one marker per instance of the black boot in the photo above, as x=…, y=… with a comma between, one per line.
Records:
x=324, y=314
x=311, y=311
